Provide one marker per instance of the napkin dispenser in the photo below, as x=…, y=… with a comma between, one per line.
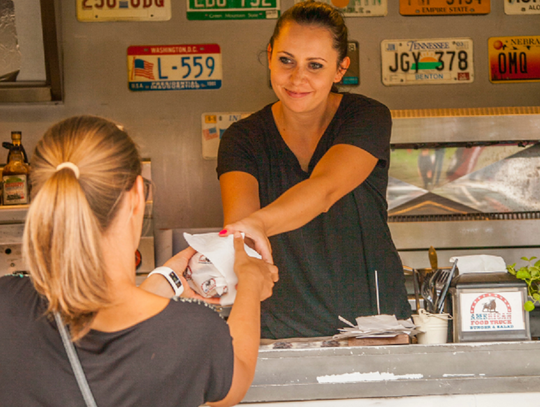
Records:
x=489, y=307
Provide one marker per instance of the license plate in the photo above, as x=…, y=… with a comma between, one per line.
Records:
x=123, y=10
x=213, y=127
x=174, y=67
x=359, y=8
x=427, y=62
x=514, y=59
x=516, y=7
x=443, y=7
x=232, y=9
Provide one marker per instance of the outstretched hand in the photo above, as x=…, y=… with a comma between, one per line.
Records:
x=257, y=273
x=256, y=237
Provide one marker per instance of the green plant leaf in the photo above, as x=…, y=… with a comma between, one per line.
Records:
x=529, y=306
x=524, y=258
x=537, y=264
x=523, y=274
x=533, y=258
x=536, y=296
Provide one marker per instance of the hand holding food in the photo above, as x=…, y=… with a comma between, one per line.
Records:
x=257, y=273
x=255, y=233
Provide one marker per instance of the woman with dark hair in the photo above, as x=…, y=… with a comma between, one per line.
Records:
x=307, y=176
x=136, y=348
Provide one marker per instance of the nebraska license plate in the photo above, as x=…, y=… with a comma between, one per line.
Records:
x=514, y=59
x=443, y=7
x=174, y=67
x=427, y=62
x=123, y=10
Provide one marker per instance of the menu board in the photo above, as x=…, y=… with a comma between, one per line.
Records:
x=427, y=62
x=232, y=9
x=443, y=7
x=514, y=59
x=174, y=67
x=123, y=10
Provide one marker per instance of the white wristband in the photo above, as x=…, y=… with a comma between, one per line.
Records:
x=171, y=277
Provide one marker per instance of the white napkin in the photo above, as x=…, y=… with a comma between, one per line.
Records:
x=482, y=263
x=220, y=251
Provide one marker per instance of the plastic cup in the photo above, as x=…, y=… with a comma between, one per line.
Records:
x=434, y=327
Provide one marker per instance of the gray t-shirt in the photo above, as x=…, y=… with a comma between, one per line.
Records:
x=326, y=267
x=182, y=356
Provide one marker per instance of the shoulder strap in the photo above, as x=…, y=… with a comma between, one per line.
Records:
x=75, y=363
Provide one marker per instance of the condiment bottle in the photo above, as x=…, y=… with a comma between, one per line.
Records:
x=15, y=135
x=15, y=175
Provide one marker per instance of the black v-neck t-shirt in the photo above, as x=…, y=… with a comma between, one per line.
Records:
x=182, y=356
x=327, y=267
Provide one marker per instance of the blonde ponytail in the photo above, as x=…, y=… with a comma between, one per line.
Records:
x=68, y=215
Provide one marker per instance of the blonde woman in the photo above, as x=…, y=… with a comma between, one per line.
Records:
x=136, y=348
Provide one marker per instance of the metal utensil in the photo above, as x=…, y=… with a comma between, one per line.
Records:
x=416, y=285
x=427, y=293
x=440, y=282
x=442, y=297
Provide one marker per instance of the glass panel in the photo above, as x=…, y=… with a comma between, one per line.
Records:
x=493, y=178
x=10, y=56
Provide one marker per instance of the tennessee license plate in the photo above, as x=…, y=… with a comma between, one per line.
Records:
x=514, y=59
x=516, y=7
x=123, y=10
x=427, y=62
x=174, y=67
x=443, y=7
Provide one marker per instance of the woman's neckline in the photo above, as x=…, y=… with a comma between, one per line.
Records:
x=321, y=138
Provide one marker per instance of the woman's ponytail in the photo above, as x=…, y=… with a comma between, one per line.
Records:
x=69, y=214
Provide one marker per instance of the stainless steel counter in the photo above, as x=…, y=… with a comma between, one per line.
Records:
x=395, y=371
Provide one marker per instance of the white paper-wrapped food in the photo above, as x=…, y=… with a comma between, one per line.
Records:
x=215, y=273
x=204, y=278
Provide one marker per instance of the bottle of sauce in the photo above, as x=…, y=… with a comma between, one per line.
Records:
x=15, y=175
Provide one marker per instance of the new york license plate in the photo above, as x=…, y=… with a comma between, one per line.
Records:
x=443, y=7
x=514, y=59
x=123, y=10
x=427, y=62
x=174, y=67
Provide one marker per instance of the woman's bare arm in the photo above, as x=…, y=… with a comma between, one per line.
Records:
x=341, y=170
x=255, y=281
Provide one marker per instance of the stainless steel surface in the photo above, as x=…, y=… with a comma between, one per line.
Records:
x=466, y=128
x=466, y=234
x=395, y=371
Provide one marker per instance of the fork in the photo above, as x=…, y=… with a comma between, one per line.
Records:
x=440, y=282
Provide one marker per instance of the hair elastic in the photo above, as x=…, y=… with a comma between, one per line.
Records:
x=71, y=166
